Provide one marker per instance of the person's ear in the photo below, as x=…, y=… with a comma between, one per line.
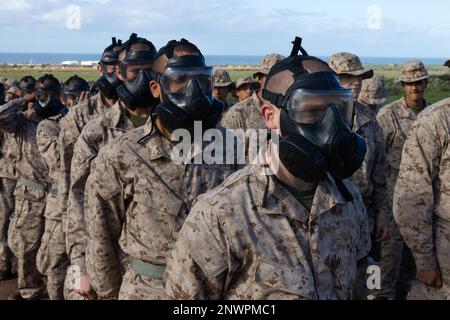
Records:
x=155, y=89
x=269, y=113
x=100, y=69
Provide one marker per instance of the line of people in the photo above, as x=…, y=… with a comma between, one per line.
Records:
x=96, y=204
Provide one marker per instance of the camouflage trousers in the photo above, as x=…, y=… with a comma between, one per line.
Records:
x=7, y=187
x=420, y=291
x=396, y=264
x=140, y=287
x=52, y=259
x=24, y=237
x=72, y=275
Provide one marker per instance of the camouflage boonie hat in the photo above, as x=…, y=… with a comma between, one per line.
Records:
x=413, y=71
x=11, y=83
x=222, y=79
x=348, y=63
x=267, y=63
x=373, y=91
x=3, y=80
x=246, y=80
x=13, y=90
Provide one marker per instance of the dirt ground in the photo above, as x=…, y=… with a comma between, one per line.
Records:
x=7, y=288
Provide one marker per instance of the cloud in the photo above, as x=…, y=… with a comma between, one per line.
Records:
x=15, y=5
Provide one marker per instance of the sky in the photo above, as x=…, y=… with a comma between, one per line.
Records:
x=376, y=28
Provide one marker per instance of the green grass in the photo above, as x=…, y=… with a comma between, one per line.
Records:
x=439, y=87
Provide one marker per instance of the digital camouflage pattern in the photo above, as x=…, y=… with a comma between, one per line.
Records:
x=422, y=192
x=95, y=135
x=52, y=259
x=251, y=239
x=373, y=92
x=267, y=62
x=27, y=222
x=136, y=196
x=222, y=79
x=413, y=71
x=71, y=126
x=348, y=63
x=7, y=186
x=245, y=115
x=395, y=120
x=370, y=178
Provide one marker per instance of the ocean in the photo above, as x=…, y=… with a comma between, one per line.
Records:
x=216, y=60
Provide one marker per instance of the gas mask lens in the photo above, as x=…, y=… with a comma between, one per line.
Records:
x=175, y=81
x=308, y=107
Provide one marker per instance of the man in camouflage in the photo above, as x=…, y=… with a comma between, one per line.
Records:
x=246, y=114
x=223, y=86
x=370, y=179
x=90, y=108
x=396, y=120
x=373, y=93
x=52, y=259
x=138, y=197
x=245, y=88
x=27, y=222
x=120, y=119
x=422, y=201
x=257, y=236
x=7, y=186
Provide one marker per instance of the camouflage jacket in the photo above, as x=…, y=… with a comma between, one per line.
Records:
x=251, y=239
x=7, y=156
x=138, y=197
x=396, y=120
x=95, y=135
x=30, y=164
x=422, y=192
x=47, y=142
x=370, y=178
x=246, y=115
x=71, y=126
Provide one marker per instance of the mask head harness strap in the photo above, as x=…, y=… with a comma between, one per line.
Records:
x=138, y=56
x=111, y=53
x=75, y=84
x=48, y=84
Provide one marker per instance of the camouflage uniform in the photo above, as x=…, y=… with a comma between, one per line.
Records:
x=138, y=197
x=95, y=134
x=222, y=79
x=422, y=195
x=246, y=115
x=370, y=178
x=373, y=93
x=396, y=120
x=27, y=222
x=267, y=62
x=250, y=238
x=71, y=126
x=7, y=186
x=52, y=259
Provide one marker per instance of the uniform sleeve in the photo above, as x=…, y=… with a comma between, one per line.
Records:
x=84, y=153
x=104, y=210
x=414, y=196
x=230, y=120
x=10, y=115
x=383, y=213
x=197, y=268
x=70, y=132
x=364, y=243
x=47, y=142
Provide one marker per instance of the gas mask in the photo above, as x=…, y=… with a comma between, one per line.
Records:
x=187, y=85
x=107, y=84
x=47, y=106
x=314, y=122
x=136, y=93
